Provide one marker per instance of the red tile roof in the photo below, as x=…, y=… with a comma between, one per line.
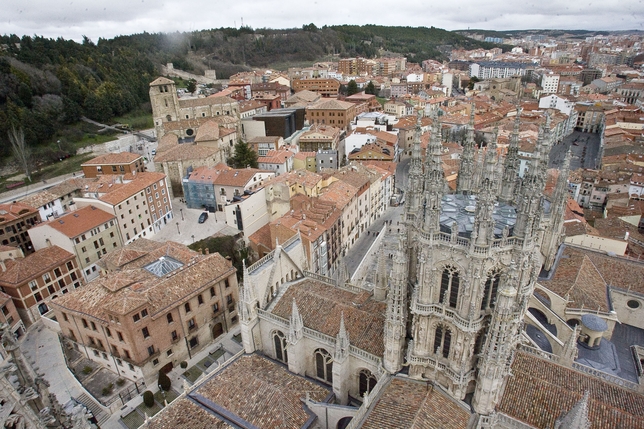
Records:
x=79, y=221
x=539, y=391
x=19, y=271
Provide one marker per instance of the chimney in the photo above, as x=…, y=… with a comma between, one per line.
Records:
x=626, y=236
x=207, y=251
x=48, y=242
x=4, y=267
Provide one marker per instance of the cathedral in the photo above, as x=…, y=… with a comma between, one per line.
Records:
x=448, y=335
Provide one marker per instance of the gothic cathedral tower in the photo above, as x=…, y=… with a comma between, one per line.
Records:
x=472, y=259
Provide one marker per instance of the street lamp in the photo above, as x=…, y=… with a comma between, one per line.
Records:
x=179, y=232
x=181, y=210
x=193, y=238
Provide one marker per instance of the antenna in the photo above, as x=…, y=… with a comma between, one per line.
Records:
x=242, y=19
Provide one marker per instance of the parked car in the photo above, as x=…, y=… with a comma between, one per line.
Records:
x=203, y=217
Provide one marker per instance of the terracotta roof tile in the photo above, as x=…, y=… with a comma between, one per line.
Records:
x=185, y=152
x=79, y=221
x=113, y=158
x=539, y=391
x=321, y=306
x=22, y=270
x=410, y=404
x=118, y=194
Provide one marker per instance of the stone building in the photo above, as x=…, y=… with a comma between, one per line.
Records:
x=15, y=221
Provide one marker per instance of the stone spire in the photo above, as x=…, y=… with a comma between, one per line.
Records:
x=396, y=314
x=490, y=168
x=247, y=305
x=483, y=220
x=435, y=184
x=577, y=417
x=380, y=288
x=554, y=232
x=495, y=360
x=341, y=342
x=569, y=352
x=415, y=178
x=296, y=325
x=465, y=177
x=512, y=162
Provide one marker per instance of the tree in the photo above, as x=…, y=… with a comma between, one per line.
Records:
x=244, y=156
x=370, y=89
x=148, y=399
x=20, y=149
x=473, y=80
x=164, y=381
x=352, y=87
x=191, y=86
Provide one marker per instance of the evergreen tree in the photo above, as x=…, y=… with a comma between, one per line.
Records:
x=244, y=156
x=370, y=88
x=191, y=86
x=352, y=87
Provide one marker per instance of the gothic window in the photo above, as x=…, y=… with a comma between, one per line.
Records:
x=324, y=365
x=442, y=340
x=279, y=341
x=491, y=287
x=449, y=286
x=367, y=382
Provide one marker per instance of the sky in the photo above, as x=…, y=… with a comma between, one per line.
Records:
x=71, y=19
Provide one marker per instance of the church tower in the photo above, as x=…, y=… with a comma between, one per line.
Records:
x=165, y=103
x=471, y=259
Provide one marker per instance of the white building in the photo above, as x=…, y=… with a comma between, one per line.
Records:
x=550, y=83
x=247, y=212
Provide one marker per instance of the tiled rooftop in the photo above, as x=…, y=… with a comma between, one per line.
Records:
x=121, y=193
x=321, y=306
x=113, y=158
x=262, y=393
x=79, y=221
x=410, y=404
x=539, y=391
x=185, y=414
x=22, y=270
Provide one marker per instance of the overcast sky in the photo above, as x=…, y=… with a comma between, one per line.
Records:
x=71, y=19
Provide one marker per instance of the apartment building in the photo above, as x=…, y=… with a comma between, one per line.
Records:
x=497, y=69
x=550, y=83
x=331, y=112
x=113, y=163
x=320, y=137
x=15, y=221
x=324, y=87
x=155, y=305
x=35, y=280
x=88, y=233
x=141, y=204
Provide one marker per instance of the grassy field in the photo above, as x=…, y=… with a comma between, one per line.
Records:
x=138, y=120
x=66, y=166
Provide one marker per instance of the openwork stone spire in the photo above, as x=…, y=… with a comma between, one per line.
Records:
x=465, y=180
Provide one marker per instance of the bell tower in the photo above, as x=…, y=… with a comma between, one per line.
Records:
x=165, y=103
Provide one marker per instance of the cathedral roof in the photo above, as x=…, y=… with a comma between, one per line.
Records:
x=530, y=393
x=250, y=392
x=321, y=306
x=412, y=404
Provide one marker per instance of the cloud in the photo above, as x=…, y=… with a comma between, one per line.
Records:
x=101, y=18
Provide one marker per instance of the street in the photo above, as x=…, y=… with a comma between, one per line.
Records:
x=584, y=148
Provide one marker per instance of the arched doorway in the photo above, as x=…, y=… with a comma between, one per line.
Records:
x=217, y=330
x=343, y=422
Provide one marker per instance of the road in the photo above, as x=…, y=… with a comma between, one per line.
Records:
x=585, y=151
x=360, y=248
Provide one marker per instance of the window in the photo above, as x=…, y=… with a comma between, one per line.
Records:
x=442, y=340
x=194, y=342
x=199, y=299
x=175, y=337
x=367, y=381
x=169, y=352
x=324, y=365
x=155, y=362
x=84, y=249
x=33, y=285
x=57, y=272
x=491, y=287
x=226, y=283
x=46, y=277
x=212, y=292
x=144, y=313
x=279, y=341
x=85, y=325
x=145, y=332
x=192, y=324
x=187, y=307
x=136, y=317
x=127, y=354
x=229, y=299
x=449, y=287
x=150, y=350
x=108, y=332
x=120, y=336
x=65, y=318
x=215, y=307
x=169, y=317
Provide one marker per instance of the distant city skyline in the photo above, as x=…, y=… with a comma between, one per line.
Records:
x=71, y=19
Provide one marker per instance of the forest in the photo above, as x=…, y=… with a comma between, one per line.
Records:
x=46, y=84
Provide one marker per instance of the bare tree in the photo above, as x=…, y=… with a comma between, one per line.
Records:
x=20, y=149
